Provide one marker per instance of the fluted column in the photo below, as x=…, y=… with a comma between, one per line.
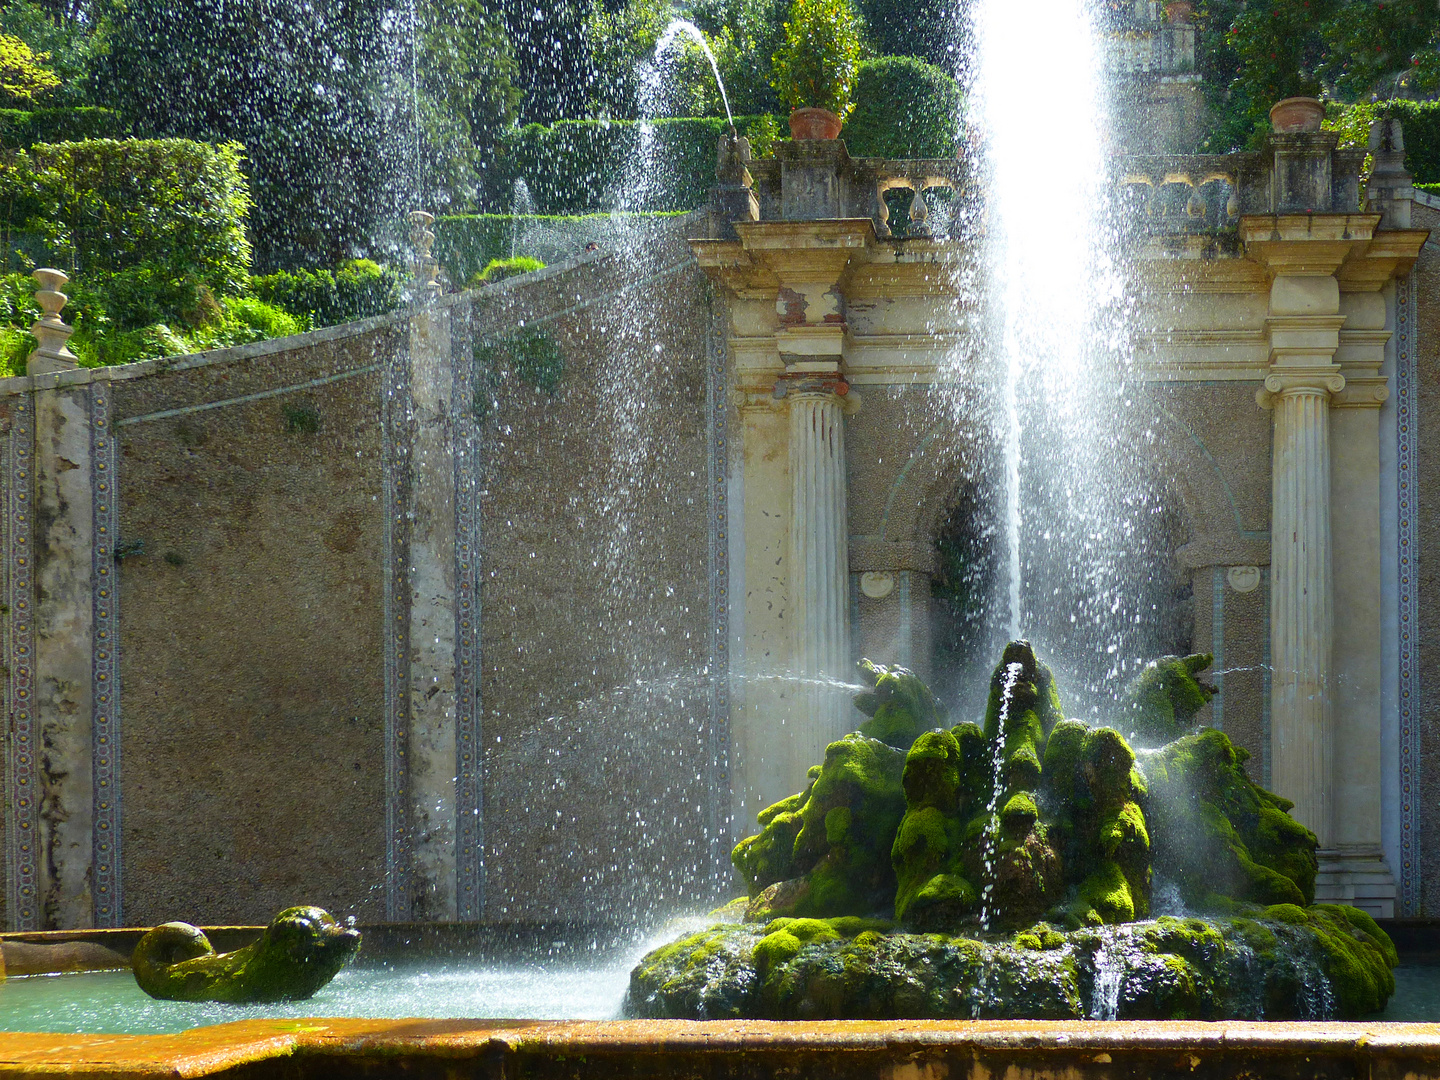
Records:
x=1301, y=610
x=819, y=565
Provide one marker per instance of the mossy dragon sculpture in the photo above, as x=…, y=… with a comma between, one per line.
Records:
x=301, y=950
x=1008, y=870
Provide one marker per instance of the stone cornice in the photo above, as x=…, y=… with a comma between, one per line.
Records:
x=1305, y=245
x=1389, y=254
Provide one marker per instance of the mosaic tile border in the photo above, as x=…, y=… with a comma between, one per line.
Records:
x=21, y=770
x=108, y=902
x=469, y=771
x=717, y=407
x=395, y=442
x=1406, y=432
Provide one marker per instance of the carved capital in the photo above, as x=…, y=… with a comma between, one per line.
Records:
x=1326, y=381
x=1365, y=392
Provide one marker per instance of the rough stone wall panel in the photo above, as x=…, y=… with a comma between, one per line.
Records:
x=595, y=626
x=252, y=768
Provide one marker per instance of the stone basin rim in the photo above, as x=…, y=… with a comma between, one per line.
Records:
x=217, y=1048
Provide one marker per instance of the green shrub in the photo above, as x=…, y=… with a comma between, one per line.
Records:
x=576, y=166
x=904, y=108
x=23, y=128
x=15, y=348
x=141, y=314
x=118, y=204
x=500, y=269
x=816, y=65
x=245, y=320
x=355, y=290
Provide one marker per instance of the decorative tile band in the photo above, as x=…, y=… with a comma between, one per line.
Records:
x=105, y=662
x=469, y=774
x=717, y=405
x=395, y=441
x=1266, y=750
x=1407, y=505
x=1217, y=647
x=21, y=771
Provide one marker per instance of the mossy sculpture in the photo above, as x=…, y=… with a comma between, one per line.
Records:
x=301, y=950
x=1009, y=870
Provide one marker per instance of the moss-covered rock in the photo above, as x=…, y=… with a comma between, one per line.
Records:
x=1218, y=835
x=1161, y=702
x=839, y=833
x=946, y=782
x=301, y=950
x=1284, y=963
x=982, y=829
x=1095, y=793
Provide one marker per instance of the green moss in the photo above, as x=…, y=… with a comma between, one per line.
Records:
x=301, y=950
x=1105, y=896
x=1020, y=810
x=1163, y=699
x=837, y=835
x=1216, y=833
x=900, y=706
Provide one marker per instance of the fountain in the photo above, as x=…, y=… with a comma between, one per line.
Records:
x=1006, y=872
x=621, y=529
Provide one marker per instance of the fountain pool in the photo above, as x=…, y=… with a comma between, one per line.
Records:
x=453, y=988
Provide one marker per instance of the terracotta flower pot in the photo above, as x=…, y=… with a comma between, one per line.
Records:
x=814, y=124
x=1295, y=114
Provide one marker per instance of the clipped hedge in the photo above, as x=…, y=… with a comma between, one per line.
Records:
x=467, y=243
x=356, y=290
x=904, y=108
x=575, y=166
x=117, y=204
x=21, y=128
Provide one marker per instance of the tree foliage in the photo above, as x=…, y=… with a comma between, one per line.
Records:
x=468, y=99
x=308, y=89
x=817, y=64
x=1253, y=53
x=23, y=78
x=115, y=205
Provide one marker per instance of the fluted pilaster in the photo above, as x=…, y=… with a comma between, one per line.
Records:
x=819, y=558
x=1301, y=606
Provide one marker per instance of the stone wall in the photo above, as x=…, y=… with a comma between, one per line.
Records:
x=253, y=771
x=414, y=616
x=598, y=705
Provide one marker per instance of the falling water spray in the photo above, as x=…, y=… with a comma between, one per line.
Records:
x=1039, y=111
x=683, y=26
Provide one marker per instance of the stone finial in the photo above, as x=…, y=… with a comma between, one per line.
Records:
x=1389, y=189
x=425, y=267
x=51, y=331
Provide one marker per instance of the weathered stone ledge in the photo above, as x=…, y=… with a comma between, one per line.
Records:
x=716, y=1049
